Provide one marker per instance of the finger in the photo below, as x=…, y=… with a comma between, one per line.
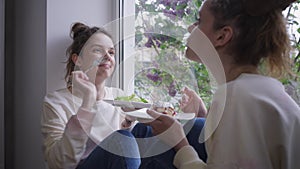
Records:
x=130, y=118
x=183, y=90
x=188, y=90
x=154, y=114
x=155, y=121
x=184, y=98
x=79, y=74
x=126, y=124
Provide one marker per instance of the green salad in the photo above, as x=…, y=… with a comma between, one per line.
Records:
x=131, y=98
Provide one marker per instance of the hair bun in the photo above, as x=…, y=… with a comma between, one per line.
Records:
x=261, y=7
x=77, y=29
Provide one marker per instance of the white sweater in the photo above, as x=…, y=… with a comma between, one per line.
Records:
x=71, y=133
x=258, y=129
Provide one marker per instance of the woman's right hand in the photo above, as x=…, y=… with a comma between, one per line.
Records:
x=167, y=129
x=192, y=103
x=85, y=89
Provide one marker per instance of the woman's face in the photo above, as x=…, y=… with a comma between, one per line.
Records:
x=205, y=24
x=100, y=52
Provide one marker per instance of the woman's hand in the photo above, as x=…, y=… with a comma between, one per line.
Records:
x=85, y=89
x=127, y=122
x=167, y=129
x=192, y=103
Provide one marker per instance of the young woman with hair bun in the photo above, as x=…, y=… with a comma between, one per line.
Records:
x=79, y=129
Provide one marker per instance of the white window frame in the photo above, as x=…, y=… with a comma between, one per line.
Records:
x=126, y=49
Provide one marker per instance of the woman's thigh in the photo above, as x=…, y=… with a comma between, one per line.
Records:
x=156, y=154
x=117, y=151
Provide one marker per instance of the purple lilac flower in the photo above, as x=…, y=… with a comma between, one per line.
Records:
x=149, y=43
x=149, y=35
x=172, y=91
x=165, y=2
x=155, y=64
x=157, y=43
x=171, y=8
x=163, y=38
x=154, y=77
x=169, y=13
x=188, y=11
x=180, y=13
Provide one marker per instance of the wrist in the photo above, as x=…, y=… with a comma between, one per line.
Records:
x=182, y=143
x=88, y=102
x=202, y=111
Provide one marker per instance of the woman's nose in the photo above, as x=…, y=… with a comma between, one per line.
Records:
x=107, y=55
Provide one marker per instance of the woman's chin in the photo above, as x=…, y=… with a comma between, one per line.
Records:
x=104, y=74
x=191, y=55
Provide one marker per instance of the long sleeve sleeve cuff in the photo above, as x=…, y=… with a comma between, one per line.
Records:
x=81, y=123
x=188, y=158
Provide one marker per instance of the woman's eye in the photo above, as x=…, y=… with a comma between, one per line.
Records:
x=98, y=50
x=112, y=52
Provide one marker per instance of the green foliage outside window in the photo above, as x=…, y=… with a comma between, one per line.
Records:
x=161, y=29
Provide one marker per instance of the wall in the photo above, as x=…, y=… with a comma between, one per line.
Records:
x=29, y=82
x=60, y=15
x=37, y=32
x=1, y=84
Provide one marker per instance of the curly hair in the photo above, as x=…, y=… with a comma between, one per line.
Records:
x=260, y=37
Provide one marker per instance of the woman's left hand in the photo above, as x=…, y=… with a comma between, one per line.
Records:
x=167, y=129
x=127, y=122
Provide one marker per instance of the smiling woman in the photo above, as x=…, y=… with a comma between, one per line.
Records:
x=79, y=128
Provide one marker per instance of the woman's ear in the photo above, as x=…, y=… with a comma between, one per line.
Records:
x=76, y=59
x=223, y=36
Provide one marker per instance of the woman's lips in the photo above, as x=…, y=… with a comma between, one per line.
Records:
x=106, y=66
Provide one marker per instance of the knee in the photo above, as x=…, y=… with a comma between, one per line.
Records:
x=125, y=133
x=199, y=122
x=142, y=131
x=194, y=128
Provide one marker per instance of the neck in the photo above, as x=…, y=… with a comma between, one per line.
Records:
x=100, y=90
x=234, y=72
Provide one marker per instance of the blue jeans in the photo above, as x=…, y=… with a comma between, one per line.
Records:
x=117, y=151
x=157, y=155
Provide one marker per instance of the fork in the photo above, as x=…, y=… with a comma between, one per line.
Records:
x=95, y=63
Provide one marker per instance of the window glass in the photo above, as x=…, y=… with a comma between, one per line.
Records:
x=161, y=69
x=156, y=65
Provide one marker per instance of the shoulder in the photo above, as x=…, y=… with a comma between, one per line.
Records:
x=260, y=95
x=58, y=97
x=255, y=83
x=258, y=87
x=57, y=94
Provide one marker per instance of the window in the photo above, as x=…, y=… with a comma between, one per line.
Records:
x=154, y=44
x=155, y=34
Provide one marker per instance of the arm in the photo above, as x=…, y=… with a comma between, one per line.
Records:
x=65, y=137
x=64, y=143
x=192, y=103
x=171, y=132
x=187, y=158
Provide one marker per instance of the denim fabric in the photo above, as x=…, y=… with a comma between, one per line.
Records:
x=117, y=151
x=157, y=155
